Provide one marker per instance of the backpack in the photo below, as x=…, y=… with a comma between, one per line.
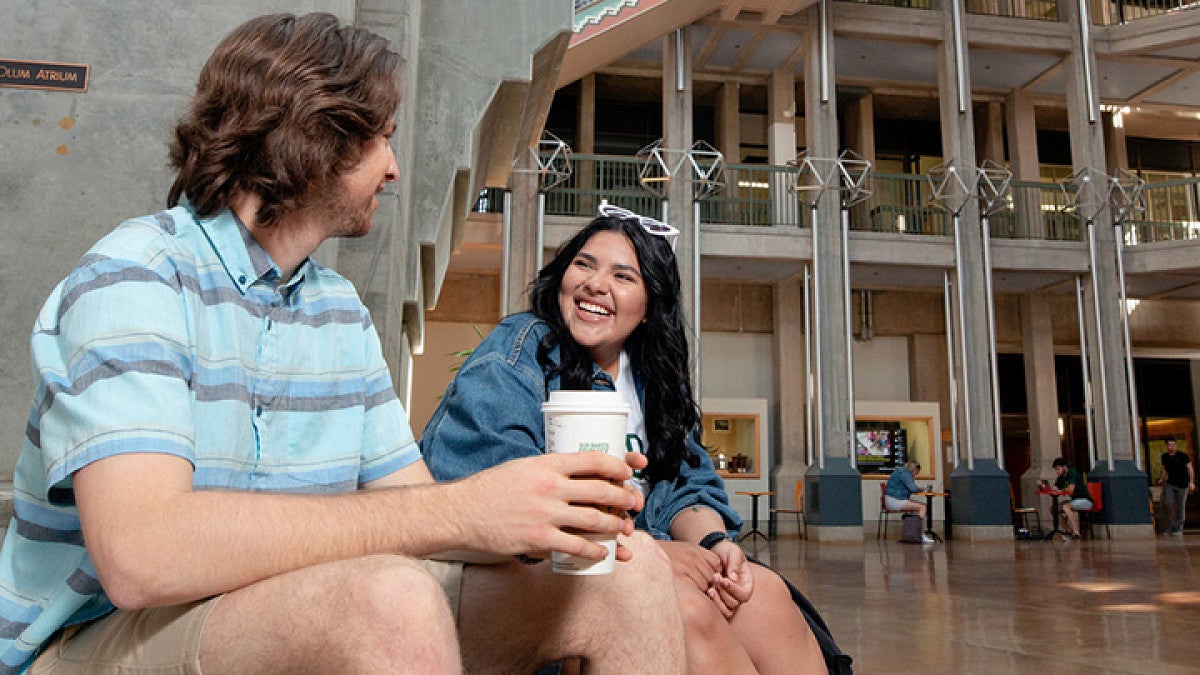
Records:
x=911, y=528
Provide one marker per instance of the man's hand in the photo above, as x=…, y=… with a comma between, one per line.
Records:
x=544, y=503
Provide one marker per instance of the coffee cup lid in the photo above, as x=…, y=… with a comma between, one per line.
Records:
x=609, y=402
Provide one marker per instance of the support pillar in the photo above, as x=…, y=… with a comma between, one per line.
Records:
x=677, y=135
x=1116, y=154
x=1041, y=391
x=585, y=171
x=520, y=247
x=860, y=127
x=729, y=130
x=792, y=392
x=1125, y=503
x=1021, y=124
x=833, y=484
x=979, y=487
x=781, y=140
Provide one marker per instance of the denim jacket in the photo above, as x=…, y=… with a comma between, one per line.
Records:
x=492, y=412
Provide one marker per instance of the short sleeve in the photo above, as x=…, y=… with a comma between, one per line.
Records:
x=112, y=357
x=388, y=444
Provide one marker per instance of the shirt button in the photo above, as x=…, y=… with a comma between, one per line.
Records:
x=258, y=411
x=242, y=279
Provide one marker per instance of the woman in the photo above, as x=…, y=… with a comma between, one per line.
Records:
x=900, y=486
x=606, y=314
x=1070, y=480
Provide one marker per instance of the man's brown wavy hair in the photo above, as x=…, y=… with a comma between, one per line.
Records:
x=282, y=109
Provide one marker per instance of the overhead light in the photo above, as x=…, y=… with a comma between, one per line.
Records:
x=757, y=185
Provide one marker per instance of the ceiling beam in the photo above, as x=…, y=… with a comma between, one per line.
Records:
x=710, y=46
x=748, y=49
x=731, y=8
x=1042, y=76
x=1163, y=83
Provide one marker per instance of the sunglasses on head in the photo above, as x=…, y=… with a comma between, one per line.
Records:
x=655, y=227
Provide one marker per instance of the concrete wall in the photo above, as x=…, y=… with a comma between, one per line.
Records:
x=74, y=165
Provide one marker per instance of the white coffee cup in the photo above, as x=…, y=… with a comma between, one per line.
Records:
x=586, y=421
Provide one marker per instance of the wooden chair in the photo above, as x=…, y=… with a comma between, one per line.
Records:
x=884, y=512
x=1023, y=512
x=1095, y=491
x=798, y=511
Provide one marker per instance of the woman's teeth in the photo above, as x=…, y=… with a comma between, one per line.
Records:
x=593, y=309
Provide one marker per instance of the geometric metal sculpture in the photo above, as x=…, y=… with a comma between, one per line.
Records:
x=993, y=184
x=1126, y=194
x=848, y=173
x=1087, y=190
x=661, y=165
x=952, y=184
x=551, y=161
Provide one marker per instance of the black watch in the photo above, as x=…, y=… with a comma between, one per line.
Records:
x=713, y=538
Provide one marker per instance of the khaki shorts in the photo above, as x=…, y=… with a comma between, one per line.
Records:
x=165, y=639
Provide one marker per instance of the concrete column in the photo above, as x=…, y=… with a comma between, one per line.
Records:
x=677, y=137
x=793, y=389
x=833, y=485
x=585, y=171
x=729, y=130
x=1116, y=154
x=979, y=486
x=860, y=127
x=989, y=142
x=1021, y=124
x=521, y=252
x=781, y=141
x=1041, y=392
x=781, y=117
x=1125, y=501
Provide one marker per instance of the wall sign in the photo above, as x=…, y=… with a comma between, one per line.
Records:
x=44, y=75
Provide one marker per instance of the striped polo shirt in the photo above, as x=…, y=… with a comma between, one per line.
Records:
x=173, y=335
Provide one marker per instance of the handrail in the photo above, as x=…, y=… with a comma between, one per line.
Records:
x=761, y=195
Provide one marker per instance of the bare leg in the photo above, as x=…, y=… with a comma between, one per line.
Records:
x=1072, y=519
x=712, y=644
x=772, y=630
x=515, y=617
x=378, y=614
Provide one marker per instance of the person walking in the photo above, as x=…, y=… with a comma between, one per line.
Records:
x=1177, y=480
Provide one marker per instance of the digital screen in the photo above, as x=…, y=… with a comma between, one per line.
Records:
x=873, y=446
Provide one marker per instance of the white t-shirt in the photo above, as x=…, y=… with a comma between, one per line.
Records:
x=636, y=424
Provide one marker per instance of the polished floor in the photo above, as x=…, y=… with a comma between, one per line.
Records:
x=1061, y=607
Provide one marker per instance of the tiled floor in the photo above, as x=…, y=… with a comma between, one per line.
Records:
x=1090, y=607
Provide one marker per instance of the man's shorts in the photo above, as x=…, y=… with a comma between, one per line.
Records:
x=165, y=640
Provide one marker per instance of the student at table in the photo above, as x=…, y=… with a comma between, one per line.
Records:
x=1070, y=480
x=900, y=486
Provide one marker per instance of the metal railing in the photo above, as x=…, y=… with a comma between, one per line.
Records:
x=1109, y=12
x=1172, y=213
x=1044, y=10
x=755, y=194
x=759, y=195
x=914, y=4
x=900, y=203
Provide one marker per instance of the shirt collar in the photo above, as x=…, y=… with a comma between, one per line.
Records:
x=244, y=258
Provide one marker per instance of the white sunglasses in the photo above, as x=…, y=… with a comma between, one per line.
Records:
x=655, y=227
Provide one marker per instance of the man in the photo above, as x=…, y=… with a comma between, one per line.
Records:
x=1079, y=499
x=217, y=474
x=1177, y=479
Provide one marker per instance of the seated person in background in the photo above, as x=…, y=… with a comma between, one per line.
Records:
x=217, y=476
x=900, y=486
x=606, y=314
x=1070, y=480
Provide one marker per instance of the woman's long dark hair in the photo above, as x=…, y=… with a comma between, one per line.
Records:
x=657, y=349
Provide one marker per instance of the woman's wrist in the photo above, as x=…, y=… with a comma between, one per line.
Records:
x=713, y=538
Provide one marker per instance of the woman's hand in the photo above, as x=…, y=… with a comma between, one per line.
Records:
x=734, y=585
x=691, y=562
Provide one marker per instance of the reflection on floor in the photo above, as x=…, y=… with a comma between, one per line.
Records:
x=1008, y=607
